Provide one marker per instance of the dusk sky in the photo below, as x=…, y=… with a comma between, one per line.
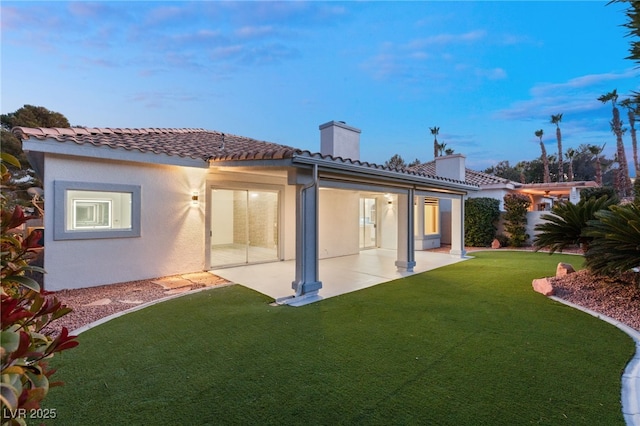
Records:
x=489, y=74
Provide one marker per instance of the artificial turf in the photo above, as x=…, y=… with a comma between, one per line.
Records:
x=469, y=343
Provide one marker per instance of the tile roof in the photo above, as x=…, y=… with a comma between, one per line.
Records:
x=403, y=171
x=196, y=144
x=192, y=143
x=471, y=176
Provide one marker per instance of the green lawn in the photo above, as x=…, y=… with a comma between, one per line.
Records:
x=469, y=344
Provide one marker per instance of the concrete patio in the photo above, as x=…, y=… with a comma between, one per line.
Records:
x=339, y=275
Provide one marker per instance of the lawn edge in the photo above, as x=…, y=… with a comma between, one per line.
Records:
x=108, y=318
x=630, y=393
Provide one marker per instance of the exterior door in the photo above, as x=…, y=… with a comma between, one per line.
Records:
x=368, y=220
x=244, y=227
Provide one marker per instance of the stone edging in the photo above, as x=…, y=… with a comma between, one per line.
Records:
x=631, y=376
x=142, y=306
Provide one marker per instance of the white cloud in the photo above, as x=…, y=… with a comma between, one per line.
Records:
x=414, y=60
x=492, y=74
x=440, y=39
x=576, y=96
x=227, y=51
x=585, y=81
x=157, y=99
x=253, y=32
x=198, y=36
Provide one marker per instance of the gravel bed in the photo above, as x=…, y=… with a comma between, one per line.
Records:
x=90, y=304
x=618, y=299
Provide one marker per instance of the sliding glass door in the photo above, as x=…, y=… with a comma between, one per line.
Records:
x=244, y=226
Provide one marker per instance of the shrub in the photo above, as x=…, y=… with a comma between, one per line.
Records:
x=636, y=190
x=25, y=311
x=516, y=207
x=598, y=192
x=503, y=240
x=480, y=217
x=615, y=248
x=566, y=224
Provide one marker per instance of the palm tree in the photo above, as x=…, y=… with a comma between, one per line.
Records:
x=556, y=119
x=441, y=148
x=624, y=185
x=545, y=159
x=596, y=150
x=615, y=245
x=565, y=226
x=632, y=109
x=434, y=131
x=570, y=154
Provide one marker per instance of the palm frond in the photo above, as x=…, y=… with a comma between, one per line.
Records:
x=616, y=240
x=566, y=224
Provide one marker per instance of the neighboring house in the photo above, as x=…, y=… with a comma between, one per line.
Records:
x=132, y=204
x=542, y=195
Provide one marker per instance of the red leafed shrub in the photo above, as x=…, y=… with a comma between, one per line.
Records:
x=25, y=310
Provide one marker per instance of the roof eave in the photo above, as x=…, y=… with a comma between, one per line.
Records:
x=53, y=146
x=500, y=185
x=384, y=173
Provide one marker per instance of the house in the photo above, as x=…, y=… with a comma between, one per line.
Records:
x=132, y=204
x=542, y=195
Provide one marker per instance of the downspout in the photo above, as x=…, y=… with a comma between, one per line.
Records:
x=314, y=183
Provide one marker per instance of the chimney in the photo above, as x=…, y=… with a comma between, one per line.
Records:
x=451, y=166
x=339, y=140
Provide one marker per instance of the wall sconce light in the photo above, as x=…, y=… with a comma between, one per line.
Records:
x=194, y=198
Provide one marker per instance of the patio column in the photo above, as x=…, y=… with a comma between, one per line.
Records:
x=406, y=244
x=307, y=266
x=419, y=222
x=457, y=227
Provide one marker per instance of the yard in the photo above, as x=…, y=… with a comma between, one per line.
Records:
x=469, y=343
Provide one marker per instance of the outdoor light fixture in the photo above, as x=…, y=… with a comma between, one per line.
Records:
x=194, y=198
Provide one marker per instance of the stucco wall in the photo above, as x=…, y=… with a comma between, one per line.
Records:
x=388, y=223
x=445, y=221
x=172, y=229
x=339, y=223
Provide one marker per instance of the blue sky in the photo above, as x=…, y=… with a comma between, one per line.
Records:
x=487, y=73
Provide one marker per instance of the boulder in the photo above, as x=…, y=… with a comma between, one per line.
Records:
x=564, y=269
x=543, y=286
x=495, y=244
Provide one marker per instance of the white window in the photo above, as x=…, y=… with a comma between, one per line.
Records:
x=96, y=210
x=431, y=216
